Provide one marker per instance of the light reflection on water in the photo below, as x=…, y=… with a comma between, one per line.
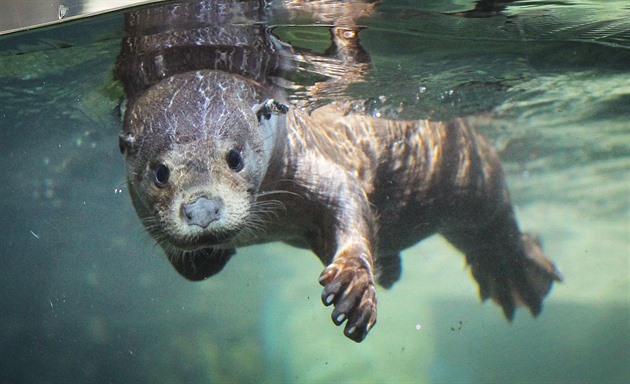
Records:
x=86, y=296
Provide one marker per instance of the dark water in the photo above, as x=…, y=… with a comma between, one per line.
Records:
x=87, y=297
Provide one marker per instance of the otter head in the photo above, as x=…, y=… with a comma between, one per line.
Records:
x=197, y=146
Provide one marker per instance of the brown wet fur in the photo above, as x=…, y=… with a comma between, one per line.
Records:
x=355, y=189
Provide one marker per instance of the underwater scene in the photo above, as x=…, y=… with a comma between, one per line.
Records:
x=93, y=291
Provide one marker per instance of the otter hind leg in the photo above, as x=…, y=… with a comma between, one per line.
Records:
x=387, y=269
x=508, y=266
x=200, y=264
x=540, y=271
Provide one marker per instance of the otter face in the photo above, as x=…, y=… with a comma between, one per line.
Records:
x=197, y=146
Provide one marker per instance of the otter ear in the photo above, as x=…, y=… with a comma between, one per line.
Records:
x=270, y=107
x=126, y=143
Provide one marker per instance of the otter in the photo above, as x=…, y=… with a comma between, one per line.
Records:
x=219, y=159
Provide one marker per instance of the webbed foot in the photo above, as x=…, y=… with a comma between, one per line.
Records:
x=349, y=286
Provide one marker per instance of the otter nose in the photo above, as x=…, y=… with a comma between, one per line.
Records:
x=203, y=211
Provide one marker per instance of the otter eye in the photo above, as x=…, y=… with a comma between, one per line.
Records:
x=160, y=176
x=234, y=160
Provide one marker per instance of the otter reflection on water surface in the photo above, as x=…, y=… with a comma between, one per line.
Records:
x=217, y=158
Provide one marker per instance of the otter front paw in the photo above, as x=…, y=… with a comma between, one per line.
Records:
x=349, y=285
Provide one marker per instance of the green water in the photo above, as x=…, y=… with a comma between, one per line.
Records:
x=86, y=296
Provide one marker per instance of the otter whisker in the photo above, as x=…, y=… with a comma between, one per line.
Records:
x=277, y=191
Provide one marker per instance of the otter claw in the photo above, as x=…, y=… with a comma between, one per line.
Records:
x=351, y=289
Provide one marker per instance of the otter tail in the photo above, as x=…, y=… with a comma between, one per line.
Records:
x=521, y=275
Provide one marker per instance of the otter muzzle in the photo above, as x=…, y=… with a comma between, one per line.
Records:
x=203, y=211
